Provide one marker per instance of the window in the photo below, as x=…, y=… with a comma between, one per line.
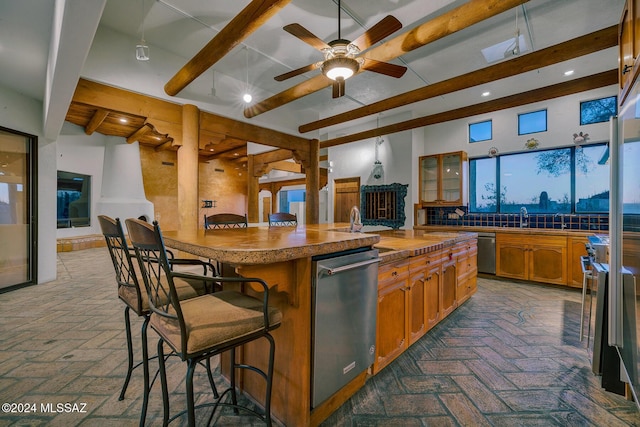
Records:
x=539, y=181
x=535, y=121
x=592, y=179
x=482, y=177
x=481, y=131
x=562, y=180
x=598, y=110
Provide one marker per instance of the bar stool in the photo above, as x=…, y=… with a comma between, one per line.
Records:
x=587, y=276
x=133, y=294
x=202, y=327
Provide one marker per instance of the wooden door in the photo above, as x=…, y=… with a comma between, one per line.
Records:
x=391, y=338
x=548, y=264
x=511, y=260
x=432, y=295
x=576, y=248
x=449, y=283
x=266, y=209
x=417, y=308
x=346, y=195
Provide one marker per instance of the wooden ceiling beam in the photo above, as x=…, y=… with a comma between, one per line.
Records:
x=165, y=146
x=580, y=46
x=286, y=166
x=96, y=120
x=542, y=94
x=145, y=129
x=250, y=132
x=448, y=23
x=239, y=28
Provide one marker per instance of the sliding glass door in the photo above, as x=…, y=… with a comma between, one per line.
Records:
x=17, y=209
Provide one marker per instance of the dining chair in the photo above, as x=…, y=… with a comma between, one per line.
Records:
x=283, y=219
x=200, y=328
x=225, y=220
x=132, y=292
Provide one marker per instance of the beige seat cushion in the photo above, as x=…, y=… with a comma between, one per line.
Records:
x=214, y=319
x=186, y=288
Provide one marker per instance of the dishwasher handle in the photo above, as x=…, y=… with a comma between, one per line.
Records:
x=336, y=270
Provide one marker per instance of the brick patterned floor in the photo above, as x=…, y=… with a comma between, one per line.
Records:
x=509, y=356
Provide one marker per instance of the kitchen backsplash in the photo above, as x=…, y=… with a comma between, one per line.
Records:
x=595, y=222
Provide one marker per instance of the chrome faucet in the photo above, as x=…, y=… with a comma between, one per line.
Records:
x=562, y=224
x=355, y=223
x=523, y=217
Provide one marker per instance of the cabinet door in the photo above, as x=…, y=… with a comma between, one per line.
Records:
x=417, y=306
x=511, y=260
x=451, y=178
x=576, y=248
x=429, y=179
x=548, y=264
x=433, y=286
x=449, y=283
x=391, y=338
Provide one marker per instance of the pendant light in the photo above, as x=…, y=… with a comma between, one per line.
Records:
x=142, y=50
x=247, y=98
x=378, y=171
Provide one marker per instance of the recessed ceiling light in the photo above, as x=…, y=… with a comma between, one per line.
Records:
x=486, y=93
x=123, y=120
x=247, y=98
x=568, y=73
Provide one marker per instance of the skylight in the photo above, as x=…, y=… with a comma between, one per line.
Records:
x=504, y=50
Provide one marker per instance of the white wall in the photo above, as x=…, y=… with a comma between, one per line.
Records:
x=357, y=159
x=24, y=114
x=563, y=120
x=81, y=153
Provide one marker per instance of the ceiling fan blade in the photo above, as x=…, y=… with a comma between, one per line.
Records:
x=306, y=36
x=385, y=68
x=388, y=25
x=297, y=72
x=338, y=88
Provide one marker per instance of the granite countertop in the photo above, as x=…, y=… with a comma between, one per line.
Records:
x=264, y=245
x=511, y=230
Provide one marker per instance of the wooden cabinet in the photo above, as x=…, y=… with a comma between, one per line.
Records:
x=393, y=313
x=628, y=47
x=575, y=249
x=532, y=257
x=449, y=284
x=443, y=179
x=424, y=294
x=467, y=262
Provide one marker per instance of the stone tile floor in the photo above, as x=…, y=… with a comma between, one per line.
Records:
x=510, y=356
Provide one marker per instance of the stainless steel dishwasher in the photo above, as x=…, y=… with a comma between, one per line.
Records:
x=487, y=253
x=345, y=294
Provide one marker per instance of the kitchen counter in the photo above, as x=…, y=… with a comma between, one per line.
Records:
x=514, y=230
x=282, y=256
x=264, y=245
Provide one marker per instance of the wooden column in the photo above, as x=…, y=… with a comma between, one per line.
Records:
x=188, y=169
x=312, y=168
x=253, y=188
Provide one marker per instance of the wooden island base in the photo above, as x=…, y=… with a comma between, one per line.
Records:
x=289, y=281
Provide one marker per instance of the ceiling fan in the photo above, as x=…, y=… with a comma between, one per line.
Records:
x=341, y=59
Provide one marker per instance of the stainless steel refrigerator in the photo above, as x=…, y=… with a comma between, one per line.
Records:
x=624, y=233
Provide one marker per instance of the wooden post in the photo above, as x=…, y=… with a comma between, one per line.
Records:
x=312, y=168
x=188, y=169
x=253, y=190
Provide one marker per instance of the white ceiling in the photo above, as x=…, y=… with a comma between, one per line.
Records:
x=176, y=30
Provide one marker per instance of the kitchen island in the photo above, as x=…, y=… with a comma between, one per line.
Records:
x=283, y=258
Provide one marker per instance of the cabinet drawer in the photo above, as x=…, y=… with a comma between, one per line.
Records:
x=425, y=261
x=388, y=274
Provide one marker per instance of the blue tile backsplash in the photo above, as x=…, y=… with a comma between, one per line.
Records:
x=595, y=222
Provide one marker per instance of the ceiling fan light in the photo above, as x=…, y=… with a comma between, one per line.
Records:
x=340, y=68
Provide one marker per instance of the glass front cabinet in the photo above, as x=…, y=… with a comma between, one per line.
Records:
x=443, y=179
